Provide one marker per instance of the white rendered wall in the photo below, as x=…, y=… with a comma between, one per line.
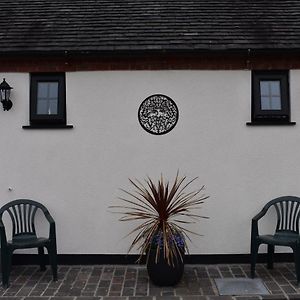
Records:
x=76, y=173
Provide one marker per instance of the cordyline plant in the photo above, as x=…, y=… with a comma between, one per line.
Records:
x=163, y=210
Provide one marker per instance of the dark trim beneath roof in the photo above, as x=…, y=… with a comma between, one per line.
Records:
x=150, y=60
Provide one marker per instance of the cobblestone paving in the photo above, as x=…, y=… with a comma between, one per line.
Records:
x=110, y=282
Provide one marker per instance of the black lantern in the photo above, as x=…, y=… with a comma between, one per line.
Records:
x=5, y=94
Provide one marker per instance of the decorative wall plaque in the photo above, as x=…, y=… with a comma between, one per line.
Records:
x=158, y=114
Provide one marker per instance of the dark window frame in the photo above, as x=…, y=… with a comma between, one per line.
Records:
x=58, y=119
x=270, y=117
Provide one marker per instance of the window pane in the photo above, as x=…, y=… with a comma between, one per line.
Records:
x=265, y=103
x=275, y=88
x=42, y=107
x=53, y=107
x=42, y=90
x=275, y=103
x=53, y=90
x=270, y=96
x=264, y=88
x=47, y=98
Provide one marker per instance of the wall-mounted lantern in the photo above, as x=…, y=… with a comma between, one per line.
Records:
x=5, y=94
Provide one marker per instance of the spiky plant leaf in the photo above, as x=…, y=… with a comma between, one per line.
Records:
x=163, y=210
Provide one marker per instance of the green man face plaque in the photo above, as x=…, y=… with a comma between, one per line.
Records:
x=158, y=114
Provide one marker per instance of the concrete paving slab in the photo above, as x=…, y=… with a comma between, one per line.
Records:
x=240, y=286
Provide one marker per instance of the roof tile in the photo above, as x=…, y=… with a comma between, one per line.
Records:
x=90, y=25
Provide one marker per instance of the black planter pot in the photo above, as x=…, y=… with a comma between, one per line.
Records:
x=161, y=273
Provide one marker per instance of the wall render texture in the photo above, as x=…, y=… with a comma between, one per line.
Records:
x=77, y=172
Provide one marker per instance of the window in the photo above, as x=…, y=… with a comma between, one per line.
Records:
x=270, y=97
x=47, y=101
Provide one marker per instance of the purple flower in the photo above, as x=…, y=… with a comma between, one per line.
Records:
x=177, y=238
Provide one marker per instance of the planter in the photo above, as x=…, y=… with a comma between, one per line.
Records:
x=161, y=273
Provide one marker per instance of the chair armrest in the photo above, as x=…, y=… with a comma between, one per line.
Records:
x=254, y=227
x=259, y=215
x=3, y=234
x=49, y=217
x=51, y=221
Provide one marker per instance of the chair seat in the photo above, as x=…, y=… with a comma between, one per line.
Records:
x=22, y=213
x=287, y=209
x=280, y=238
x=27, y=241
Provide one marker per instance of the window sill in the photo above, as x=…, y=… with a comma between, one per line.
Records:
x=270, y=124
x=47, y=126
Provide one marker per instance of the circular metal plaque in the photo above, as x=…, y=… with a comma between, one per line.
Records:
x=158, y=114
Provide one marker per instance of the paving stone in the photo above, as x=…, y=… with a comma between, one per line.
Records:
x=140, y=292
x=115, y=287
x=49, y=292
x=94, y=279
x=237, y=270
x=288, y=289
x=294, y=297
x=25, y=291
x=54, y=284
x=37, y=298
x=114, y=293
x=214, y=272
x=119, y=271
x=281, y=280
x=97, y=271
x=117, y=279
x=13, y=290
x=129, y=283
x=194, y=298
x=274, y=297
x=128, y=292
x=205, y=282
x=109, y=269
x=247, y=297
x=88, y=298
x=104, y=283
x=11, y=298
x=226, y=274
x=110, y=282
x=167, y=298
x=141, y=298
x=167, y=293
x=59, y=298
x=114, y=298
x=90, y=287
x=208, y=291
x=220, y=298
x=240, y=286
x=87, y=294
x=102, y=292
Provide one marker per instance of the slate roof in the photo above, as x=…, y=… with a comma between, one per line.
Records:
x=110, y=25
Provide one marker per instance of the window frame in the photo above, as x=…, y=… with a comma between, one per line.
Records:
x=58, y=119
x=276, y=117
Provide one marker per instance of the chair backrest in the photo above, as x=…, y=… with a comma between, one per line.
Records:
x=22, y=213
x=288, y=213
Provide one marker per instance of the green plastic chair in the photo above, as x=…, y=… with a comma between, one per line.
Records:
x=22, y=213
x=286, y=233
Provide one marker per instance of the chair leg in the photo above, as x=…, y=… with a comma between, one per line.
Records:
x=42, y=258
x=53, y=259
x=254, y=251
x=270, y=256
x=297, y=262
x=6, y=266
